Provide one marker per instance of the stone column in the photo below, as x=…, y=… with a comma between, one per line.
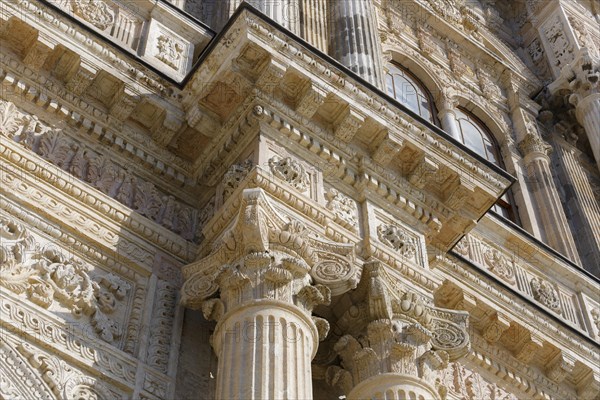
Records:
x=265, y=341
x=284, y=12
x=588, y=114
x=353, y=38
x=262, y=269
x=447, y=104
x=313, y=16
x=403, y=347
x=556, y=227
x=581, y=79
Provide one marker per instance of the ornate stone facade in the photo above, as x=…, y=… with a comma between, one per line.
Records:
x=226, y=199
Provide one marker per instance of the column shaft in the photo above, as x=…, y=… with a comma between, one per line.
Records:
x=265, y=351
x=555, y=224
x=313, y=16
x=449, y=123
x=588, y=114
x=353, y=38
x=393, y=387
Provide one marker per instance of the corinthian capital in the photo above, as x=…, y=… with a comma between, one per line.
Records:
x=394, y=337
x=263, y=257
x=534, y=144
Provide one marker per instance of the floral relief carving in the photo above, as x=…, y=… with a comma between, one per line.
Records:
x=98, y=170
x=233, y=177
x=545, y=293
x=499, y=264
x=96, y=12
x=343, y=207
x=398, y=239
x=170, y=51
x=46, y=278
x=290, y=171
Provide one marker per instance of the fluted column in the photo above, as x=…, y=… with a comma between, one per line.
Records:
x=556, y=227
x=403, y=347
x=353, y=38
x=257, y=284
x=588, y=115
x=284, y=12
x=313, y=17
x=581, y=78
x=266, y=340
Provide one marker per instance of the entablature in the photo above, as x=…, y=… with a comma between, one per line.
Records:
x=254, y=59
x=523, y=337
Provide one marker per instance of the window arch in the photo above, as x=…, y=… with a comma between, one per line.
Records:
x=476, y=136
x=409, y=91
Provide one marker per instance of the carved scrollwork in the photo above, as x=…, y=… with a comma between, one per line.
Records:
x=98, y=170
x=170, y=51
x=546, y=294
x=336, y=272
x=398, y=239
x=46, y=278
x=343, y=207
x=290, y=171
x=96, y=12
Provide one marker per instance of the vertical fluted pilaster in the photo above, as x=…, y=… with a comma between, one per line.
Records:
x=284, y=12
x=313, y=22
x=555, y=225
x=582, y=204
x=353, y=38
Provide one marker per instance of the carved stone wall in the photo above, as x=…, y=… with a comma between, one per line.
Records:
x=152, y=167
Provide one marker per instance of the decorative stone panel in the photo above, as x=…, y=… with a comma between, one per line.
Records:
x=165, y=48
x=49, y=277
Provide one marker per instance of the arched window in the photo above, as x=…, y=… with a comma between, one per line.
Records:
x=475, y=135
x=408, y=90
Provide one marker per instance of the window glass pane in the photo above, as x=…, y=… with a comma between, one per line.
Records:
x=410, y=92
x=472, y=137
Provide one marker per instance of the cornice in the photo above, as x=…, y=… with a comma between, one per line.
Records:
x=519, y=309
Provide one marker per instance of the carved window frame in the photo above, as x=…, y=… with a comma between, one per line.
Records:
x=425, y=100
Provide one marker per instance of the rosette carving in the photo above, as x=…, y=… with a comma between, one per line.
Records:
x=546, y=294
x=499, y=264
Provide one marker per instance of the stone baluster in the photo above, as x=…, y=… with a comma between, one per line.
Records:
x=353, y=38
x=265, y=337
x=396, y=345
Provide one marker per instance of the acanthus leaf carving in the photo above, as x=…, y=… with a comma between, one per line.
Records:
x=499, y=264
x=398, y=239
x=98, y=170
x=343, y=207
x=96, y=12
